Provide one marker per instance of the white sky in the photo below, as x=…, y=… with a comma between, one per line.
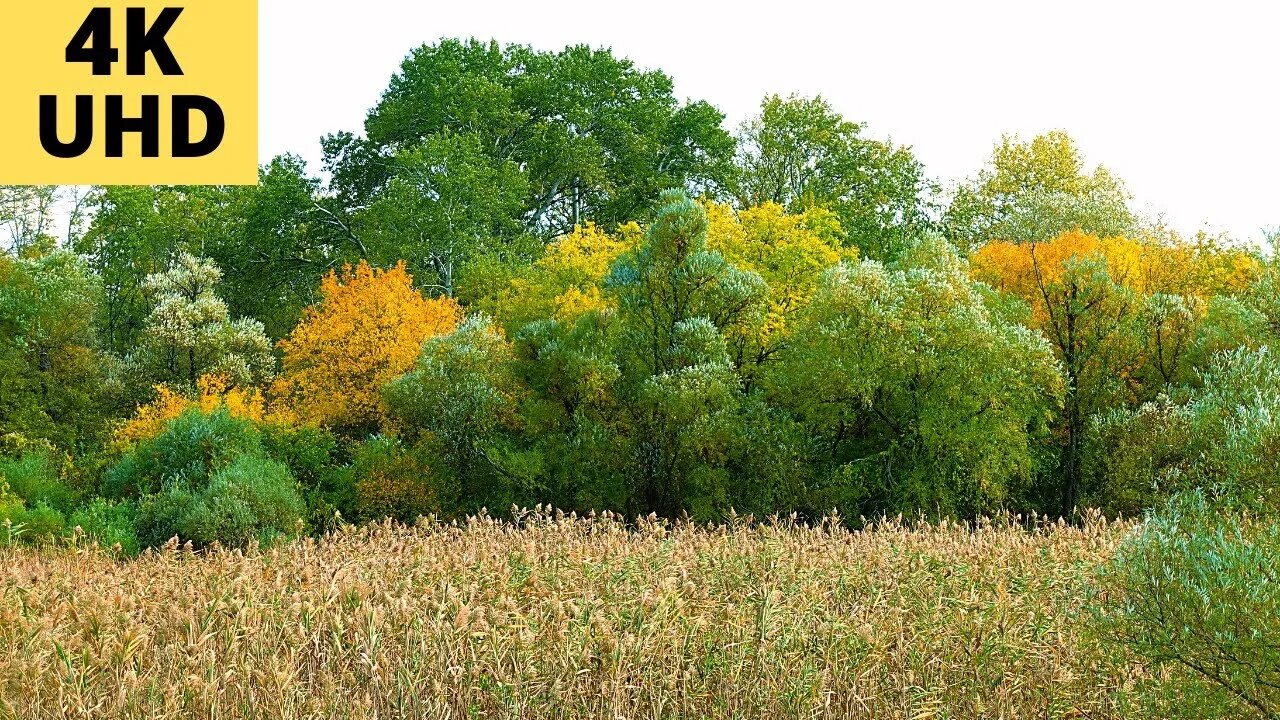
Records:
x=1177, y=98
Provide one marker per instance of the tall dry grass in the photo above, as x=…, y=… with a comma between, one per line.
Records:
x=567, y=618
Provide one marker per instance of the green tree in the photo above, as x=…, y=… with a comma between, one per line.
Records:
x=460, y=400
x=136, y=232
x=275, y=241
x=922, y=399
x=594, y=136
x=800, y=153
x=1037, y=190
x=51, y=369
x=1193, y=591
x=447, y=201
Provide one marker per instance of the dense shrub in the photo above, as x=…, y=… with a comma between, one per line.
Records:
x=391, y=480
x=1225, y=439
x=251, y=498
x=1197, y=589
x=314, y=457
x=191, y=447
x=35, y=524
x=207, y=477
x=36, y=476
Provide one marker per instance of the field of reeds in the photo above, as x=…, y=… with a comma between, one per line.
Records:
x=572, y=618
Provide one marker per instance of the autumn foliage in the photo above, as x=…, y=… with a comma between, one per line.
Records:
x=366, y=330
x=213, y=392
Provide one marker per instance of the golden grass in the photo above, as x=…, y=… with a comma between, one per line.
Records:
x=567, y=618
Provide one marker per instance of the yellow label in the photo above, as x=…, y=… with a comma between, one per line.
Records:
x=166, y=74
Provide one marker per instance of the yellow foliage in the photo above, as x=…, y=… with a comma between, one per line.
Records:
x=1021, y=268
x=367, y=330
x=790, y=251
x=565, y=282
x=1176, y=267
x=212, y=392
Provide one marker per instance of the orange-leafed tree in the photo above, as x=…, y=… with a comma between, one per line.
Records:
x=1128, y=317
x=366, y=330
x=1085, y=297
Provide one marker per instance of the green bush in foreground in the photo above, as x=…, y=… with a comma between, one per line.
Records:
x=207, y=478
x=251, y=498
x=1196, y=592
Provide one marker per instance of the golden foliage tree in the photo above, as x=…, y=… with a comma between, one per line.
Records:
x=565, y=282
x=790, y=251
x=1127, y=317
x=367, y=330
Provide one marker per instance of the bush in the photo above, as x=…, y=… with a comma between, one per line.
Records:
x=207, y=478
x=191, y=447
x=108, y=523
x=252, y=498
x=1225, y=439
x=391, y=480
x=37, y=524
x=313, y=455
x=1196, y=590
x=36, y=477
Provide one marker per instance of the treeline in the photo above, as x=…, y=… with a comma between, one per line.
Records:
x=540, y=278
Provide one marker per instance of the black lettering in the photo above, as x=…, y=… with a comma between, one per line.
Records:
x=83, y=138
x=148, y=125
x=143, y=41
x=216, y=121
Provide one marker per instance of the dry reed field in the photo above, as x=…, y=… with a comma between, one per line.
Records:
x=570, y=618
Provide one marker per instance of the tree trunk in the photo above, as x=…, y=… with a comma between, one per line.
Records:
x=1071, y=460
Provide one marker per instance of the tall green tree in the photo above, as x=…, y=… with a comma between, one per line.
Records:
x=51, y=369
x=920, y=396
x=594, y=137
x=800, y=153
x=446, y=202
x=138, y=231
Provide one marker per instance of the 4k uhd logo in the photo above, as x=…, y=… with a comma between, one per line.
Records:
x=128, y=92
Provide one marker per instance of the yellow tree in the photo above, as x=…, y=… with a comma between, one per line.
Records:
x=566, y=281
x=367, y=330
x=790, y=251
x=212, y=393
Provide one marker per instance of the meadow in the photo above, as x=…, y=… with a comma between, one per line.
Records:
x=555, y=616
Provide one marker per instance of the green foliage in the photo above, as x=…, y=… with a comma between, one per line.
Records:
x=1195, y=590
x=250, y=498
x=800, y=153
x=314, y=458
x=1225, y=440
x=109, y=524
x=459, y=400
x=593, y=136
x=929, y=402
x=207, y=478
x=36, y=524
x=1037, y=190
x=192, y=447
x=50, y=369
x=37, y=478
x=445, y=203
